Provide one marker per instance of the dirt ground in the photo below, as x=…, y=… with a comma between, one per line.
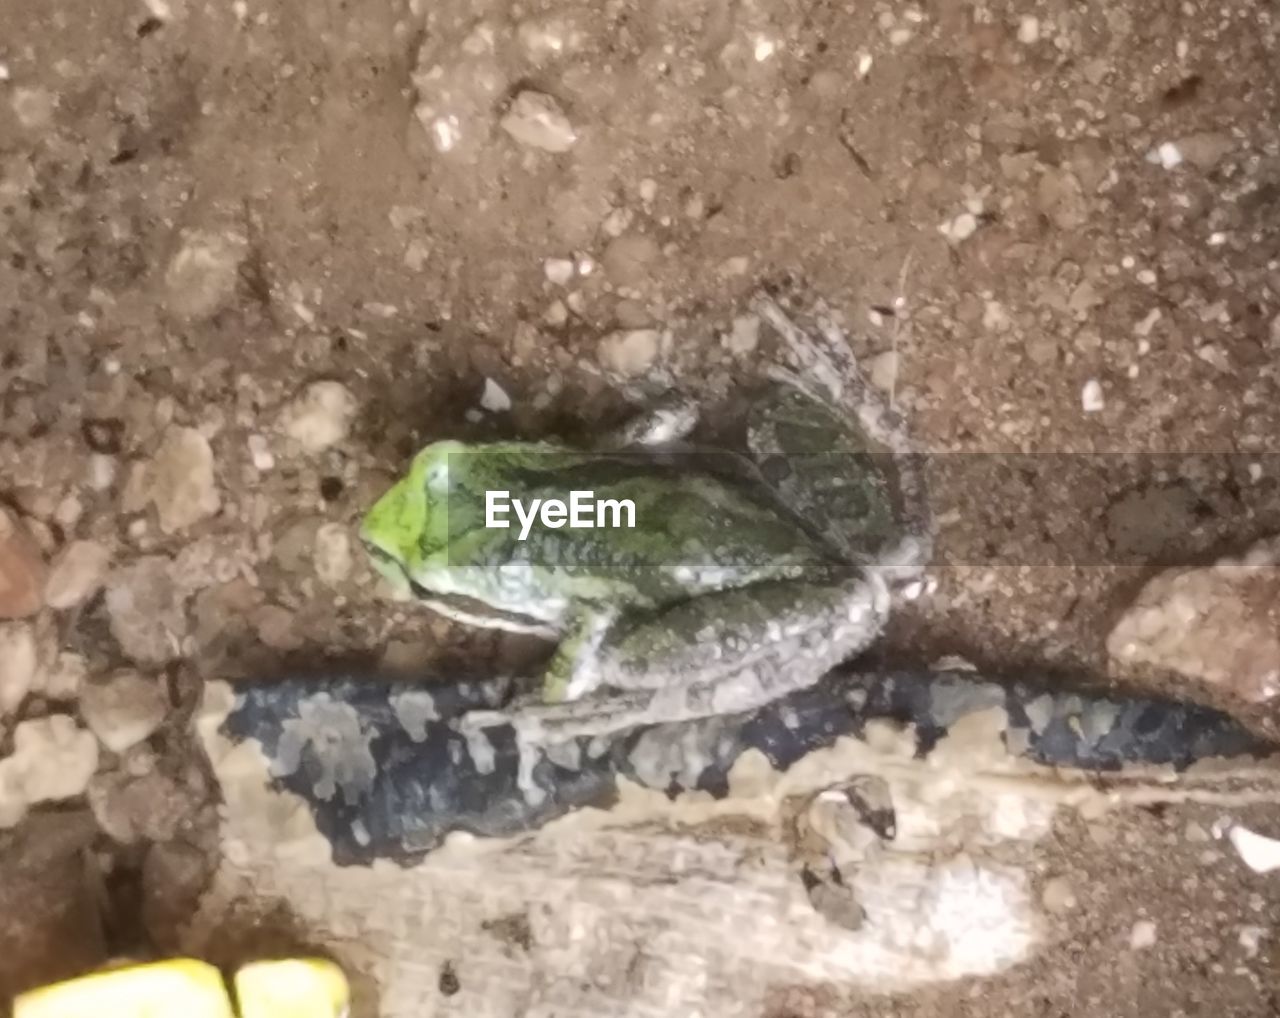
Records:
x=1053, y=230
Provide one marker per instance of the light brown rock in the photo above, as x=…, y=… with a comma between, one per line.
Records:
x=180, y=480
x=536, y=119
x=124, y=710
x=630, y=353
x=53, y=759
x=19, y=664
x=22, y=569
x=320, y=417
x=201, y=278
x=1219, y=625
x=146, y=610
x=76, y=574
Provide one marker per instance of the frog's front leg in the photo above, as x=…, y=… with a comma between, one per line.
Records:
x=668, y=419
x=574, y=669
x=724, y=652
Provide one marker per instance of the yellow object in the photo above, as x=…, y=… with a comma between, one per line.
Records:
x=292, y=988
x=186, y=988
x=181, y=988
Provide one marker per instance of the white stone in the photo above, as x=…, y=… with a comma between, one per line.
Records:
x=962, y=227
x=320, y=417
x=535, y=119
x=124, y=710
x=1166, y=155
x=494, y=398
x=1029, y=30
x=1143, y=935
x=333, y=557
x=1144, y=327
x=102, y=471
x=19, y=664
x=260, y=453
x=1260, y=853
x=559, y=271
x=76, y=575
x=1091, y=398
x=53, y=758
x=744, y=337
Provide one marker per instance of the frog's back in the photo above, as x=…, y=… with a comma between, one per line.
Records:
x=639, y=528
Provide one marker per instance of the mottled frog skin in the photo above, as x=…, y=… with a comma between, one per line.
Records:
x=748, y=573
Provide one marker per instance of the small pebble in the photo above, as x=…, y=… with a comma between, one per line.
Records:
x=1144, y=327
x=146, y=610
x=631, y=352
x=494, y=398
x=1143, y=935
x=1091, y=398
x=19, y=664
x=882, y=369
x=320, y=417
x=743, y=338
x=333, y=557
x=202, y=277
x=1166, y=155
x=536, y=119
x=559, y=271
x=124, y=710
x=1058, y=896
x=1029, y=30
x=1260, y=853
x=180, y=482
x=77, y=574
x=556, y=314
x=260, y=453
x=1250, y=939
x=616, y=222
x=962, y=227
x=53, y=759
x=102, y=471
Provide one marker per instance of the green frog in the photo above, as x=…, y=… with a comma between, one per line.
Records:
x=680, y=581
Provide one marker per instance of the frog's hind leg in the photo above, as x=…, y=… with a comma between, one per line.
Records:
x=847, y=451
x=720, y=653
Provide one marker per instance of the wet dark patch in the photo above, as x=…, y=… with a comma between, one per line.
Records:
x=425, y=789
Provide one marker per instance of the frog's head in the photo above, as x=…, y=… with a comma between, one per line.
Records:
x=408, y=528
